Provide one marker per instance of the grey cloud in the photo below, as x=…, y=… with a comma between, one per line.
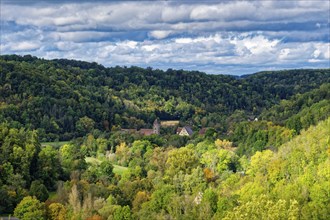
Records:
x=136, y=15
x=213, y=36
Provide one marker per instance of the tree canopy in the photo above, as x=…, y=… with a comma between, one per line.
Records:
x=262, y=153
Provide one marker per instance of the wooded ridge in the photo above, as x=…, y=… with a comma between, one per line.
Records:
x=64, y=99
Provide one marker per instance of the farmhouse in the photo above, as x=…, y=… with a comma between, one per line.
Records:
x=184, y=131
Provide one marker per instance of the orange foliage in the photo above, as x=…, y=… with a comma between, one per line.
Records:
x=209, y=174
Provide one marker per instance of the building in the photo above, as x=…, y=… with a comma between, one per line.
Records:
x=146, y=132
x=155, y=129
x=184, y=131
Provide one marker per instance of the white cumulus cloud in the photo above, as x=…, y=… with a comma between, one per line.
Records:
x=24, y=46
x=217, y=37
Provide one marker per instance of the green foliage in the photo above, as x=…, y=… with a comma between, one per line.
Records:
x=105, y=172
x=203, y=181
x=259, y=135
x=107, y=209
x=19, y=151
x=183, y=159
x=259, y=162
x=72, y=158
x=49, y=166
x=39, y=190
x=296, y=172
x=19, y=148
x=64, y=99
x=122, y=213
x=240, y=168
x=263, y=208
x=85, y=125
x=56, y=211
x=220, y=160
x=302, y=110
x=30, y=208
x=160, y=199
x=120, y=170
x=210, y=198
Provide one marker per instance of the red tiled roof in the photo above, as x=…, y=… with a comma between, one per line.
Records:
x=146, y=131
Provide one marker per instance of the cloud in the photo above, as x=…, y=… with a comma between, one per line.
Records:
x=224, y=11
x=179, y=13
x=23, y=46
x=80, y=36
x=217, y=37
x=255, y=45
x=149, y=15
x=159, y=34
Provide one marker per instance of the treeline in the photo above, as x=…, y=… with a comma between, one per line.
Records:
x=64, y=99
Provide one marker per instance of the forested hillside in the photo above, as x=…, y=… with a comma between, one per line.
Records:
x=64, y=99
x=301, y=110
x=258, y=146
x=140, y=180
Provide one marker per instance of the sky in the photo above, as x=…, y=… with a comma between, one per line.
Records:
x=216, y=37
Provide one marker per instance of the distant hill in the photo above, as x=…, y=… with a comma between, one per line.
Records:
x=67, y=98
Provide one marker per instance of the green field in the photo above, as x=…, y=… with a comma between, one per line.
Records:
x=119, y=169
x=116, y=168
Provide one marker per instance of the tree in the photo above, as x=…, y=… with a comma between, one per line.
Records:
x=85, y=125
x=30, y=208
x=107, y=208
x=263, y=208
x=157, y=160
x=56, y=211
x=72, y=158
x=106, y=169
x=182, y=159
x=210, y=198
x=140, y=198
x=20, y=148
x=160, y=199
x=49, y=166
x=122, y=213
x=223, y=144
x=75, y=201
x=39, y=190
x=122, y=154
x=259, y=162
x=220, y=160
